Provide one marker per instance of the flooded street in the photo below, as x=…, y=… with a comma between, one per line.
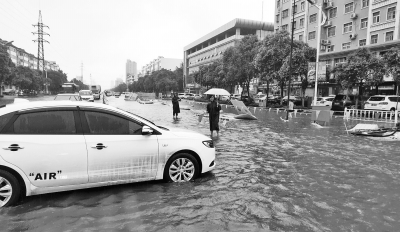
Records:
x=270, y=176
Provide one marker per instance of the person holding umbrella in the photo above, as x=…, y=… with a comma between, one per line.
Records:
x=213, y=109
x=175, y=106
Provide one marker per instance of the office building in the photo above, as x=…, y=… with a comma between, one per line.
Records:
x=210, y=47
x=349, y=25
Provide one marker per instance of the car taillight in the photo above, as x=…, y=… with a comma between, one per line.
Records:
x=383, y=103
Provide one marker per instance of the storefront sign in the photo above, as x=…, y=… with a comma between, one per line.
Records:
x=386, y=87
x=321, y=71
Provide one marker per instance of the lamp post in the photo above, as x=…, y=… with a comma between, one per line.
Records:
x=320, y=13
x=290, y=58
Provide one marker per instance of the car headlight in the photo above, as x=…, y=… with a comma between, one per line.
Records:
x=208, y=143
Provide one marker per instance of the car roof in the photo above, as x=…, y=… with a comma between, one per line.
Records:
x=67, y=94
x=51, y=104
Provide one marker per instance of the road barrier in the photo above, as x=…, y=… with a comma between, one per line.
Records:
x=371, y=115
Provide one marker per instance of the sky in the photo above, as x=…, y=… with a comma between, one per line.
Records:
x=103, y=34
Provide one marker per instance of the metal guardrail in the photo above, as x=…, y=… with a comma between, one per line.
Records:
x=371, y=115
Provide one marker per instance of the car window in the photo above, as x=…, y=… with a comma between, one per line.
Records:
x=50, y=122
x=4, y=120
x=103, y=123
x=376, y=99
x=340, y=97
x=329, y=99
x=67, y=97
x=319, y=99
x=393, y=99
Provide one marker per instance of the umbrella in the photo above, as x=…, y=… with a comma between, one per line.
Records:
x=215, y=91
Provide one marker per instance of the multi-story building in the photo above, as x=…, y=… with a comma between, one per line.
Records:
x=118, y=81
x=210, y=47
x=130, y=72
x=350, y=24
x=161, y=63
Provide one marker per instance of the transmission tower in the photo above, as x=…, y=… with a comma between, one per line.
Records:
x=40, y=33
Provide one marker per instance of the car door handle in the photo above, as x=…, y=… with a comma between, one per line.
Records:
x=13, y=147
x=99, y=146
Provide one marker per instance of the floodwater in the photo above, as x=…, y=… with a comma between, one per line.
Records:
x=271, y=175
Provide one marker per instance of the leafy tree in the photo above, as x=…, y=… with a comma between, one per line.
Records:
x=6, y=66
x=56, y=79
x=26, y=78
x=80, y=84
x=361, y=68
x=120, y=88
x=392, y=61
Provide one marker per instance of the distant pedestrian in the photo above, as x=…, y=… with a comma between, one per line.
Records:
x=175, y=106
x=213, y=109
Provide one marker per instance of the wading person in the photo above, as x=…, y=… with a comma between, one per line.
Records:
x=213, y=109
x=175, y=106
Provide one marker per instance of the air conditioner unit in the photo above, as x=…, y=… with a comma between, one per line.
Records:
x=353, y=16
x=328, y=23
x=325, y=42
x=329, y=5
x=353, y=36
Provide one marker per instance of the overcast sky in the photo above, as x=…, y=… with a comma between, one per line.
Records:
x=104, y=34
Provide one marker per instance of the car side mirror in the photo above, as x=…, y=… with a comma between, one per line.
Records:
x=146, y=130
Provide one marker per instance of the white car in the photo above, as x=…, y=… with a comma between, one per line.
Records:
x=86, y=95
x=58, y=146
x=325, y=101
x=381, y=102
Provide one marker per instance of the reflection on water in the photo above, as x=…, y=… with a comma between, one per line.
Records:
x=270, y=176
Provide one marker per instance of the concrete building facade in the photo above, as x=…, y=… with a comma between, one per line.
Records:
x=130, y=72
x=161, y=63
x=210, y=47
x=350, y=24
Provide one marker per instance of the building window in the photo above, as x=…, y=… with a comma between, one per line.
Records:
x=330, y=48
x=301, y=37
x=285, y=13
x=284, y=27
x=364, y=23
x=285, y=1
x=389, y=36
x=302, y=6
x=301, y=23
x=332, y=13
x=331, y=31
x=391, y=14
x=349, y=7
x=295, y=9
x=362, y=42
x=345, y=46
x=277, y=18
x=311, y=35
x=339, y=60
x=278, y=3
x=364, y=3
x=348, y=27
x=374, y=39
x=313, y=18
x=375, y=17
x=294, y=25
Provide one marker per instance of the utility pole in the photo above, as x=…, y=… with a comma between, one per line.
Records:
x=40, y=33
x=290, y=57
x=82, y=72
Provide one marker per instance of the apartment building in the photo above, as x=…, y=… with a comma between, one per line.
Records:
x=350, y=24
x=130, y=72
x=161, y=63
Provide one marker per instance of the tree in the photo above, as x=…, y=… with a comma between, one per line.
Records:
x=392, y=61
x=361, y=68
x=6, y=66
x=120, y=88
x=26, y=78
x=80, y=84
x=56, y=79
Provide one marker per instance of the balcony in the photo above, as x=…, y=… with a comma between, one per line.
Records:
x=381, y=26
x=382, y=3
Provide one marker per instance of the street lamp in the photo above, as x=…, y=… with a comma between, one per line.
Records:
x=320, y=13
x=290, y=58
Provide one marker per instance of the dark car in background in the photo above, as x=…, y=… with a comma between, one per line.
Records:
x=117, y=94
x=342, y=101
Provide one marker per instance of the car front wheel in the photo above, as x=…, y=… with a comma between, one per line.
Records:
x=10, y=189
x=181, y=167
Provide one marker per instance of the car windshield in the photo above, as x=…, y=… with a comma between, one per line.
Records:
x=85, y=93
x=376, y=99
x=67, y=98
x=319, y=99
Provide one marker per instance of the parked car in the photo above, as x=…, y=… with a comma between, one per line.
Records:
x=184, y=95
x=342, y=101
x=295, y=99
x=189, y=96
x=381, y=102
x=197, y=96
x=44, y=149
x=9, y=92
x=117, y=94
x=325, y=101
x=258, y=97
x=68, y=97
x=235, y=96
x=86, y=95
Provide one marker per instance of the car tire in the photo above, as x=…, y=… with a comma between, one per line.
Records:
x=10, y=190
x=181, y=167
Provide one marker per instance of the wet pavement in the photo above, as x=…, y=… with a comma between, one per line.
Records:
x=270, y=176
